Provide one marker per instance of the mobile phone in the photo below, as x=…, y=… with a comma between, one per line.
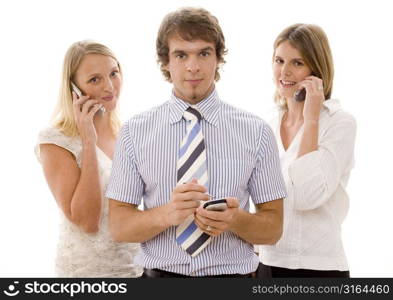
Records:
x=300, y=95
x=216, y=205
x=76, y=89
x=78, y=92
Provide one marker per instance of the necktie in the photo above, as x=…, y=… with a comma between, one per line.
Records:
x=192, y=164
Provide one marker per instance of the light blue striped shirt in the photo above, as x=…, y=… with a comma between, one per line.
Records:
x=242, y=161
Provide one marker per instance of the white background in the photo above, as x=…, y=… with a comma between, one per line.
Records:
x=36, y=34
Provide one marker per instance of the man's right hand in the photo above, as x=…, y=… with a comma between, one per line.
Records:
x=185, y=199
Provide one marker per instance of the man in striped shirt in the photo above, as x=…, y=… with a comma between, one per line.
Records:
x=240, y=153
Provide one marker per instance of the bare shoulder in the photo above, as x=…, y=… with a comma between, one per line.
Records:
x=56, y=156
x=61, y=172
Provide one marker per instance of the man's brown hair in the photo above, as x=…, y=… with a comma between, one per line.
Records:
x=189, y=24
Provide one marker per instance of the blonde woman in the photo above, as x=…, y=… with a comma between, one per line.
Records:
x=76, y=156
x=316, y=140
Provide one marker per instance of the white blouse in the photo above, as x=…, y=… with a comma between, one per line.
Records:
x=81, y=254
x=317, y=202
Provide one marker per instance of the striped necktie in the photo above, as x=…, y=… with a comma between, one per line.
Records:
x=192, y=164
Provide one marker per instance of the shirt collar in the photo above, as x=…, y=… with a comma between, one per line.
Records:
x=332, y=106
x=208, y=107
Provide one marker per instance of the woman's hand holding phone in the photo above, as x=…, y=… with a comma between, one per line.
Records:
x=314, y=98
x=84, y=111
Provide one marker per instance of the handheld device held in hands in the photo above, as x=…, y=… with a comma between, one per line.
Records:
x=300, y=95
x=78, y=92
x=216, y=205
x=76, y=89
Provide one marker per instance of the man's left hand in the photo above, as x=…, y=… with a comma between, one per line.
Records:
x=216, y=222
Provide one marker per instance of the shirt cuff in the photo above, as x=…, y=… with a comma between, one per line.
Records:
x=122, y=198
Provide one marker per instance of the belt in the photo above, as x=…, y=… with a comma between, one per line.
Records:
x=157, y=273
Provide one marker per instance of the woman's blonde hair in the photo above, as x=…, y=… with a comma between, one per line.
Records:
x=313, y=45
x=63, y=117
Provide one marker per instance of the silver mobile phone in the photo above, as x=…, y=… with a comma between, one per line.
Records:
x=216, y=204
x=79, y=94
x=76, y=89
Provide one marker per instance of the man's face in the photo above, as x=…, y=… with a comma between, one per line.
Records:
x=192, y=66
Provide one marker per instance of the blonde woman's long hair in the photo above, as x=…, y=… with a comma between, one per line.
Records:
x=63, y=117
x=313, y=45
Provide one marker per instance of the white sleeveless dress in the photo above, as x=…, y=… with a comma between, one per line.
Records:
x=81, y=254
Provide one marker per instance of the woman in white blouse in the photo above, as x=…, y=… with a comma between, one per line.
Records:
x=316, y=143
x=76, y=154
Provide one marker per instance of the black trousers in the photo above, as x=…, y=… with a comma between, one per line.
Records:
x=156, y=273
x=276, y=272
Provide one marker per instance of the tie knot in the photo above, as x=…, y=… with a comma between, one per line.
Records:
x=192, y=114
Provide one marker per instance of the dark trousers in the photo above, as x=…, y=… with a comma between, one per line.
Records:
x=276, y=272
x=156, y=273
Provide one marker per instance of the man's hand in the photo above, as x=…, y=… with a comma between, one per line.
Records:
x=185, y=199
x=217, y=221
